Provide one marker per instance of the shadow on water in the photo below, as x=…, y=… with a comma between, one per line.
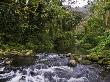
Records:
x=23, y=60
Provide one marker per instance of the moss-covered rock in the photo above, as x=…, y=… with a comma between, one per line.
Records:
x=107, y=67
x=1, y=52
x=106, y=61
x=100, y=61
x=86, y=62
x=14, y=52
x=74, y=57
x=30, y=52
x=93, y=58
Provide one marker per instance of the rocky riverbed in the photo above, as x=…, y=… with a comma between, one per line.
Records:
x=51, y=68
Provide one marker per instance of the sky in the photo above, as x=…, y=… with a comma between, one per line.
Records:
x=77, y=3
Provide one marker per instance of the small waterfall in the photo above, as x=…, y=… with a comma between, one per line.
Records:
x=50, y=68
x=47, y=75
x=2, y=68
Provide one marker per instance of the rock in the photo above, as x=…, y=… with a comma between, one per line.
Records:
x=1, y=52
x=100, y=61
x=7, y=61
x=74, y=57
x=104, y=61
x=108, y=67
x=29, y=53
x=14, y=52
x=93, y=58
x=86, y=62
x=68, y=55
x=72, y=63
x=102, y=56
x=79, y=59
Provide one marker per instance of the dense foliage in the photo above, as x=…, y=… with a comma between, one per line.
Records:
x=40, y=25
x=95, y=39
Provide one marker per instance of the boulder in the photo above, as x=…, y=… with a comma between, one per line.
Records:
x=108, y=67
x=7, y=61
x=1, y=52
x=74, y=57
x=72, y=63
x=68, y=55
x=85, y=62
x=29, y=53
x=93, y=58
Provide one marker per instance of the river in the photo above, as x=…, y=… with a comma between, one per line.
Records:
x=50, y=68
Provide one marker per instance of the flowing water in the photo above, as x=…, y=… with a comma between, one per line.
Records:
x=49, y=68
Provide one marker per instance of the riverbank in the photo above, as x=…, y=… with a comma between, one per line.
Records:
x=73, y=58
x=90, y=59
x=15, y=52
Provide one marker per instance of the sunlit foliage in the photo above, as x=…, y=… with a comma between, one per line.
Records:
x=41, y=25
x=96, y=37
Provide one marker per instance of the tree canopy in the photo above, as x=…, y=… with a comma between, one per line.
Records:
x=41, y=25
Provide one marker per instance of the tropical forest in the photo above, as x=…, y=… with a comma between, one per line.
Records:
x=54, y=40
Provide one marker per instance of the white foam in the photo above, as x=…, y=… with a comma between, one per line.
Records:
x=82, y=79
x=15, y=79
x=1, y=69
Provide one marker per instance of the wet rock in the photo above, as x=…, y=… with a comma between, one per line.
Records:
x=74, y=57
x=68, y=55
x=104, y=61
x=79, y=59
x=72, y=63
x=11, y=52
x=85, y=62
x=32, y=73
x=2, y=69
x=100, y=61
x=1, y=52
x=93, y=58
x=7, y=61
x=15, y=52
x=108, y=67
